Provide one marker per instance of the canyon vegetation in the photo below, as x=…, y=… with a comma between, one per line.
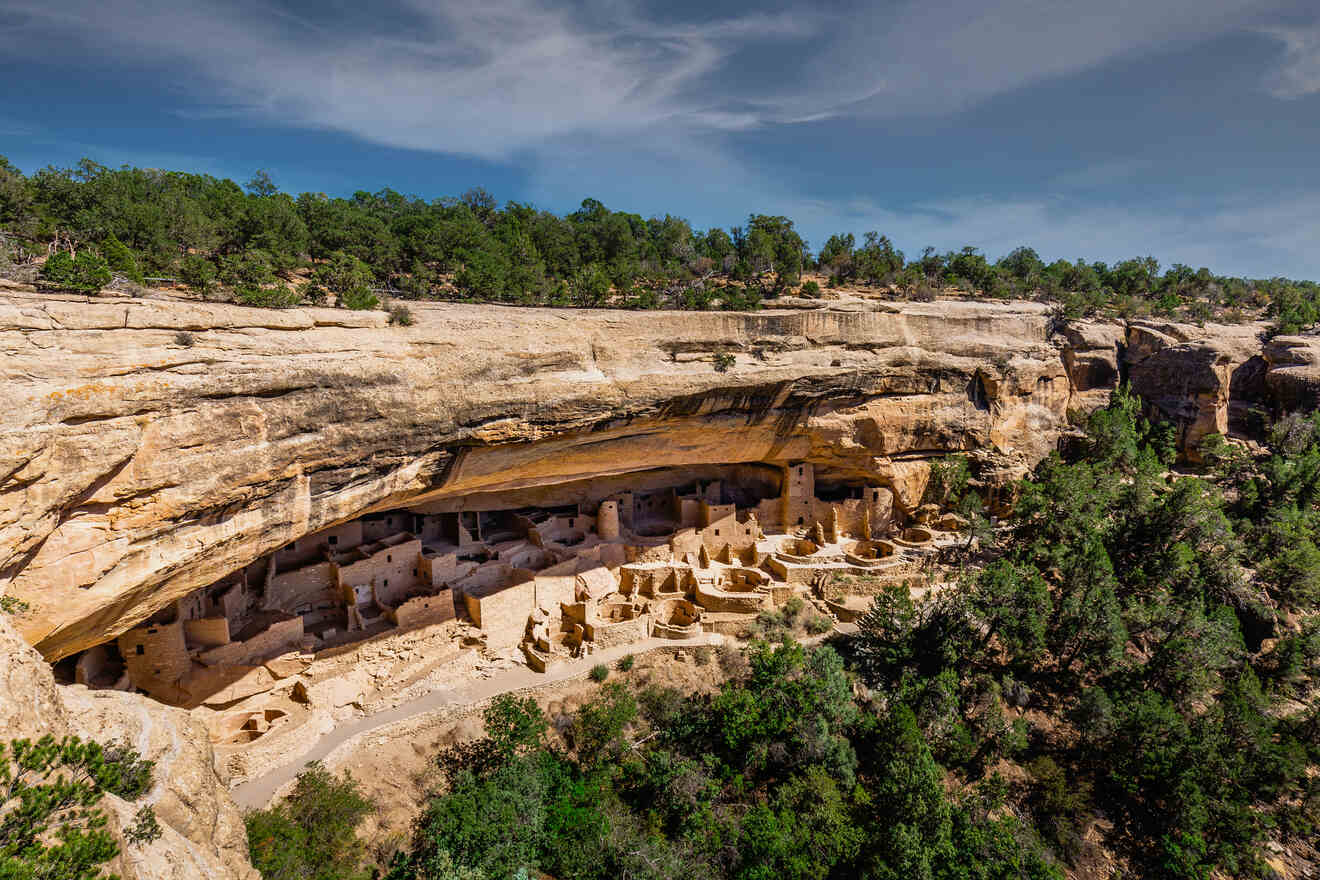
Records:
x=258, y=246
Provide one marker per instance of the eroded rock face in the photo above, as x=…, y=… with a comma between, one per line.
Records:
x=1200, y=378
x=202, y=830
x=138, y=464
x=1293, y=377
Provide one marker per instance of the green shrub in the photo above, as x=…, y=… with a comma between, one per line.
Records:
x=145, y=827
x=722, y=361
x=198, y=273
x=809, y=289
x=350, y=280
x=250, y=269
x=733, y=662
x=599, y=672
x=589, y=286
x=121, y=259
x=268, y=297
x=401, y=315
x=661, y=706
x=701, y=654
x=87, y=272
x=819, y=624
x=49, y=792
x=184, y=339
x=313, y=833
x=313, y=293
x=358, y=299
x=626, y=662
x=12, y=605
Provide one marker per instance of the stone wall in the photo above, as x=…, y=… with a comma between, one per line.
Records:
x=799, y=496
x=725, y=530
x=424, y=610
x=301, y=589
x=312, y=548
x=610, y=634
x=208, y=632
x=394, y=570
x=502, y=614
x=279, y=638
x=378, y=527
x=435, y=570
x=553, y=590
x=156, y=657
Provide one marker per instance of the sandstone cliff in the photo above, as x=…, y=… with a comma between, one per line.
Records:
x=148, y=448
x=202, y=832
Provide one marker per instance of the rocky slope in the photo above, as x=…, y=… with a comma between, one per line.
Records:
x=202, y=832
x=148, y=448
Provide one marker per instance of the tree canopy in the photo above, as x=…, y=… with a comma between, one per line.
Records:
x=220, y=237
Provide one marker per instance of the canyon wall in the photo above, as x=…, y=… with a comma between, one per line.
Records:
x=202, y=833
x=148, y=448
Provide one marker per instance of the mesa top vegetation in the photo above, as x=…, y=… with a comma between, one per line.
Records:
x=264, y=247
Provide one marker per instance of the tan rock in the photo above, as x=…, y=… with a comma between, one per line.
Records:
x=136, y=470
x=1197, y=377
x=1091, y=357
x=203, y=836
x=286, y=665
x=30, y=704
x=338, y=692
x=1294, y=371
x=139, y=469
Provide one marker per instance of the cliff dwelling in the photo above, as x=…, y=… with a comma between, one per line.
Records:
x=585, y=566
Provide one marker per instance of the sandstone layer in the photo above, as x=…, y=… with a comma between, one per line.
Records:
x=149, y=448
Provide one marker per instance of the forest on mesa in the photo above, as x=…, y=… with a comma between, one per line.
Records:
x=256, y=245
x=1123, y=680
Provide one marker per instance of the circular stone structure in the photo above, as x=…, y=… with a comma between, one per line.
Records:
x=869, y=554
x=675, y=619
x=918, y=535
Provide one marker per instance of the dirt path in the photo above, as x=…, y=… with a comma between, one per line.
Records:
x=258, y=791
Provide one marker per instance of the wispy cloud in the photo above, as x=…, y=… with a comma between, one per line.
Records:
x=934, y=58
x=1298, y=74
x=493, y=78
x=485, y=79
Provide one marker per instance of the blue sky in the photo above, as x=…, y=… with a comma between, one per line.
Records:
x=1184, y=129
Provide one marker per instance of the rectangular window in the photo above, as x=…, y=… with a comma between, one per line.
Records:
x=334, y=539
x=140, y=651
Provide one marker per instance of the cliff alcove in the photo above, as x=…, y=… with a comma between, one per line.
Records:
x=138, y=471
